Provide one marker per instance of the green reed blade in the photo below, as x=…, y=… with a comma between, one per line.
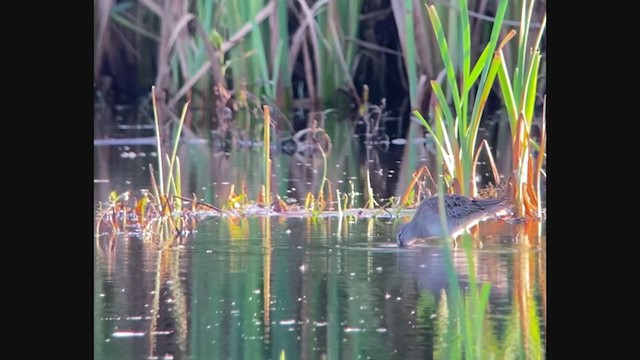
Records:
x=351, y=20
x=466, y=62
x=450, y=24
x=465, y=318
x=448, y=154
x=176, y=142
x=170, y=184
x=485, y=88
x=158, y=142
x=205, y=16
x=481, y=310
x=477, y=69
x=517, y=89
x=450, y=158
x=446, y=58
x=437, y=90
x=536, y=45
x=339, y=56
x=470, y=304
x=507, y=93
x=267, y=153
x=410, y=60
x=283, y=33
x=495, y=34
x=531, y=89
x=451, y=272
x=452, y=276
x=260, y=60
x=534, y=330
x=525, y=22
x=178, y=183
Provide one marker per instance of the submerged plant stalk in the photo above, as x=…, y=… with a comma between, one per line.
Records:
x=267, y=155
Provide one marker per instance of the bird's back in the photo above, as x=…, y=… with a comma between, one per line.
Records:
x=461, y=212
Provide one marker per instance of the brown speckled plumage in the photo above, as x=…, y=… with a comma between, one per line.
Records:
x=461, y=213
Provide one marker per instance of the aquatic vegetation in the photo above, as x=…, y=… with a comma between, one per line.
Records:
x=250, y=50
x=163, y=213
x=116, y=213
x=520, y=96
x=459, y=129
x=374, y=117
x=417, y=188
x=462, y=318
x=209, y=48
x=159, y=213
x=267, y=157
x=246, y=53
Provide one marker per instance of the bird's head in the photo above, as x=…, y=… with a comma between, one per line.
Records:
x=402, y=234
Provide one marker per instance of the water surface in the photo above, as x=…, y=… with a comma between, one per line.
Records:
x=313, y=288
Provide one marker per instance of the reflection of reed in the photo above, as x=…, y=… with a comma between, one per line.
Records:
x=225, y=307
x=524, y=302
x=492, y=267
x=542, y=275
x=370, y=222
x=111, y=255
x=178, y=294
x=168, y=267
x=345, y=159
x=521, y=289
x=333, y=304
x=487, y=267
x=521, y=337
x=108, y=242
x=307, y=308
x=221, y=171
x=155, y=305
x=239, y=232
x=210, y=175
x=440, y=341
x=266, y=274
x=193, y=174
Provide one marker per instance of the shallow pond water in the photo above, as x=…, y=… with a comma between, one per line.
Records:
x=302, y=287
x=311, y=288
